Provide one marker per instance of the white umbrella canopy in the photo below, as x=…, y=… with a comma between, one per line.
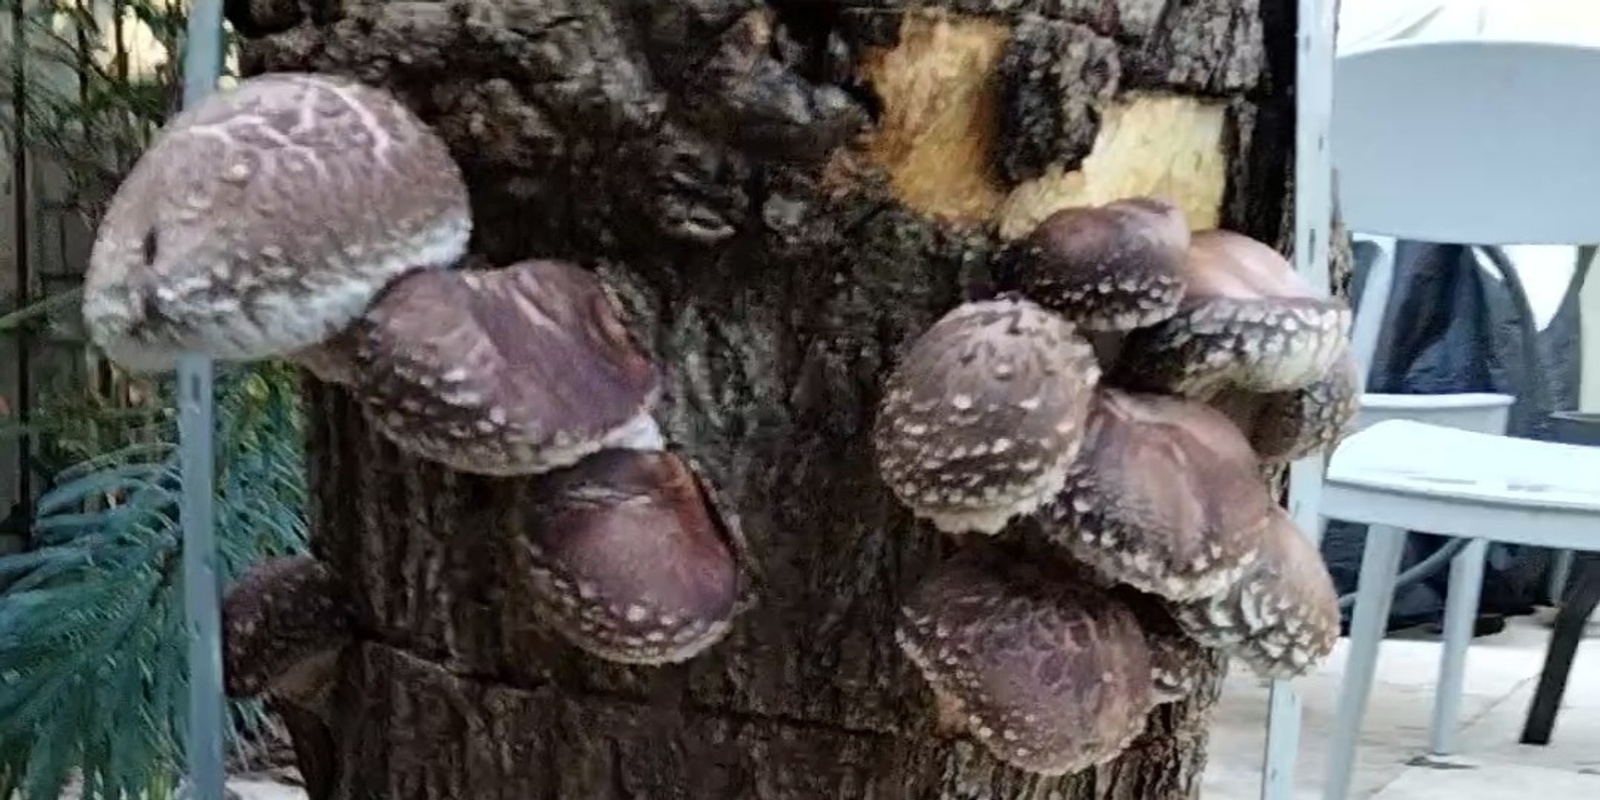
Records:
x=1364, y=23
x=1546, y=270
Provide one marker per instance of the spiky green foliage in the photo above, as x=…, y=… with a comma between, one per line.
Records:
x=92, y=644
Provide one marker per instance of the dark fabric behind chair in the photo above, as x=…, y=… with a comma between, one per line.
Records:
x=1450, y=327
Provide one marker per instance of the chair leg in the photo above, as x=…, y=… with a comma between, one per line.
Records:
x=1460, y=612
x=1571, y=621
x=1369, y=621
x=1560, y=570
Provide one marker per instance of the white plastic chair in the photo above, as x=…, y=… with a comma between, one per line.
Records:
x=1481, y=142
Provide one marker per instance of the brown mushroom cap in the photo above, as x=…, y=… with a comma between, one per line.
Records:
x=1285, y=426
x=628, y=559
x=1114, y=267
x=283, y=622
x=1281, y=617
x=1052, y=676
x=512, y=371
x=1166, y=496
x=267, y=218
x=1248, y=320
x=981, y=417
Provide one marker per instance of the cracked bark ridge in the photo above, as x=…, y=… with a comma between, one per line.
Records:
x=1208, y=46
x=1054, y=76
x=282, y=623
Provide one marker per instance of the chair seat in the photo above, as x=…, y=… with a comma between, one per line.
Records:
x=1439, y=463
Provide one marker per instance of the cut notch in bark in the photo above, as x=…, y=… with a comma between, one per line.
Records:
x=1050, y=675
x=628, y=557
x=941, y=91
x=1248, y=320
x=283, y=622
x=1282, y=616
x=266, y=219
x=982, y=415
x=510, y=371
x=1166, y=497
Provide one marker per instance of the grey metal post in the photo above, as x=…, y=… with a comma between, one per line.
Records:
x=202, y=65
x=1313, y=225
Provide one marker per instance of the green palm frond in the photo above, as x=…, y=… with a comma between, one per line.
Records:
x=92, y=645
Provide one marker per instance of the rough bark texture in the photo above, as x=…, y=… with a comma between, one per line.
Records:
x=755, y=181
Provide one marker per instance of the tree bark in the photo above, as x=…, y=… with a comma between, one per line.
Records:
x=783, y=193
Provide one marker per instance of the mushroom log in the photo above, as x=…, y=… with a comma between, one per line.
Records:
x=983, y=414
x=1286, y=426
x=1247, y=320
x=283, y=623
x=1114, y=267
x=1281, y=617
x=1050, y=674
x=266, y=219
x=629, y=559
x=1165, y=497
x=511, y=371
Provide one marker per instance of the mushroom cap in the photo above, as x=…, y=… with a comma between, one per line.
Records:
x=278, y=621
x=981, y=417
x=1051, y=675
x=511, y=371
x=1165, y=497
x=1114, y=267
x=1179, y=665
x=268, y=217
x=1281, y=617
x=1247, y=320
x=1286, y=426
x=626, y=557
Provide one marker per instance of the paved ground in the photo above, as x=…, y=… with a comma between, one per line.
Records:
x=1501, y=671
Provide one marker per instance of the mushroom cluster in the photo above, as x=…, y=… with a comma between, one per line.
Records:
x=313, y=218
x=1123, y=396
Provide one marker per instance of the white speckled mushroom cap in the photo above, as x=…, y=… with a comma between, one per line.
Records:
x=1287, y=426
x=627, y=558
x=280, y=622
x=510, y=371
x=1281, y=617
x=267, y=218
x=1247, y=320
x=1165, y=497
x=982, y=415
x=1050, y=675
x=1114, y=267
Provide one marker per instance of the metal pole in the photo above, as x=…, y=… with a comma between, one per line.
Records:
x=1313, y=227
x=202, y=589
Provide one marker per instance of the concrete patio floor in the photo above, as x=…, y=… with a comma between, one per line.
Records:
x=1501, y=672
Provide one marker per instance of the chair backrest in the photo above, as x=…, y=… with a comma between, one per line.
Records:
x=1470, y=142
